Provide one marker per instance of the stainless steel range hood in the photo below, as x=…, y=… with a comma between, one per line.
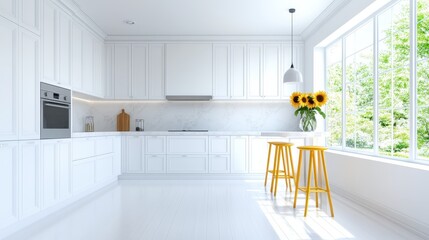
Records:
x=189, y=98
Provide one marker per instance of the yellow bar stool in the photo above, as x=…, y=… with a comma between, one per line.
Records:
x=282, y=151
x=312, y=170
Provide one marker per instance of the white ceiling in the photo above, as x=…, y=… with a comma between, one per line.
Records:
x=202, y=17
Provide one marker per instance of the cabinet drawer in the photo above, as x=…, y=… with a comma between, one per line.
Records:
x=155, y=163
x=219, y=145
x=187, y=145
x=103, y=168
x=155, y=144
x=83, y=175
x=103, y=145
x=83, y=148
x=219, y=164
x=187, y=163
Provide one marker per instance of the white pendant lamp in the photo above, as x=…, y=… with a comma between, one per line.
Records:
x=292, y=75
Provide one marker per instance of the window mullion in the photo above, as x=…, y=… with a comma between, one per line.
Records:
x=343, y=104
x=375, y=74
x=413, y=80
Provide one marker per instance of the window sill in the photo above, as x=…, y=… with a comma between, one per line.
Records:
x=402, y=163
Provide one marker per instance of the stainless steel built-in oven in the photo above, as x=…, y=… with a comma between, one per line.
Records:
x=55, y=112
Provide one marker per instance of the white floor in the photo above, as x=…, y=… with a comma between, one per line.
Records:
x=206, y=209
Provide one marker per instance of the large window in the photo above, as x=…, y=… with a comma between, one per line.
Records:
x=370, y=83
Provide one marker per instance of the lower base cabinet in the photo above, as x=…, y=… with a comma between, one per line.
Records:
x=219, y=163
x=29, y=160
x=8, y=183
x=83, y=174
x=103, y=168
x=187, y=163
x=156, y=163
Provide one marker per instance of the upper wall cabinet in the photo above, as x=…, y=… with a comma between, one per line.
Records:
x=56, y=34
x=189, y=69
x=135, y=71
x=264, y=61
x=26, y=13
x=229, y=71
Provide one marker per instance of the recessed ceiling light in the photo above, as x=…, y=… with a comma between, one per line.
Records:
x=129, y=22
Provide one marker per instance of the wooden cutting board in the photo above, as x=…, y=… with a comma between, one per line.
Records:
x=123, y=121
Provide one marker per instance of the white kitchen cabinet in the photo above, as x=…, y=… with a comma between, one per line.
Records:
x=110, y=84
x=238, y=71
x=264, y=77
x=99, y=77
x=135, y=154
x=9, y=9
x=103, y=168
x=156, y=69
x=8, y=183
x=83, y=174
x=29, y=180
x=29, y=85
x=103, y=145
x=298, y=62
x=187, y=163
x=29, y=15
x=221, y=73
x=122, y=71
x=156, y=145
x=56, y=34
x=219, y=163
x=189, y=69
x=156, y=163
x=83, y=148
x=117, y=152
x=49, y=165
x=8, y=80
x=64, y=148
x=239, y=154
x=259, y=153
x=219, y=145
x=87, y=62
x=187, y=145
x=76, y=62
x=139, y=71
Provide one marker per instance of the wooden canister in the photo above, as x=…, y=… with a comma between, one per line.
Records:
x=123, y=121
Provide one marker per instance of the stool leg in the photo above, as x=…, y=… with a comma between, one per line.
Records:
x=298, y=175
x=268, y=165
x=328, y=190
x=285, y=167
x=289, y=174
x=292, y=169
x=315, y=178
x=274, y=169
x=279, y=155
x=307, y=194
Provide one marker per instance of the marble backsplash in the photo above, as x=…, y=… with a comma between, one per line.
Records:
x=214, y=116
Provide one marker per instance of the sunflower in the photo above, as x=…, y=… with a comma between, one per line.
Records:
x=320, y=98
x=295, y=99
x=303, y=99
x=311, y=103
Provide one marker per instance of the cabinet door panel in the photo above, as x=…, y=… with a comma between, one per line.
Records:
x=187, y=163
x=83, y=175
x=238, y=70
x=99, y=79
x=219, y=163
x=8, y=9
x=272, y=78
x=103, y=145
x=239, y=154
x=30, y=14
x=83, y=148
x=221, y=71
x=49, y=173
x=187, y=145
x=135, y=154
x=109, y=89
x=122, y=71
x=103, y=168
x=64, y=47
x=139, y=71
x=219, y=145
x=88, y=62
x=30, y=178
x=49, y=43
x=156, y=71
x=76, y=74
x=8, y=80
x=254, y=54
x=64, y=166
x=117, y=146
x=8, y=183
x=155, y=163
x=155, y=144
x=29, y=90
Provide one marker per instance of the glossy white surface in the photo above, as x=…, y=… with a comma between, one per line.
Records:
x=206, y=210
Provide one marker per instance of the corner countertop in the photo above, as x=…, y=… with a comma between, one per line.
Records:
x=285, y=134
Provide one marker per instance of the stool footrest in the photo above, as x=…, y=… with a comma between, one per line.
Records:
x=313, y=189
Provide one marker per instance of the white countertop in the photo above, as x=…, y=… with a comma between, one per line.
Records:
x=285, y=134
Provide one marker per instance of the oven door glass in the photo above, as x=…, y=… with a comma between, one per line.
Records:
x=55, y=115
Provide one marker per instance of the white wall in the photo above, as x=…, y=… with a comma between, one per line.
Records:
x=394, y=190
x=213, y=115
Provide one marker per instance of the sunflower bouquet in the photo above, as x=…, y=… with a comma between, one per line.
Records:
x=308, y=105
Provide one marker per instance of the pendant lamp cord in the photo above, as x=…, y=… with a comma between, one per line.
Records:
x=291, y=45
